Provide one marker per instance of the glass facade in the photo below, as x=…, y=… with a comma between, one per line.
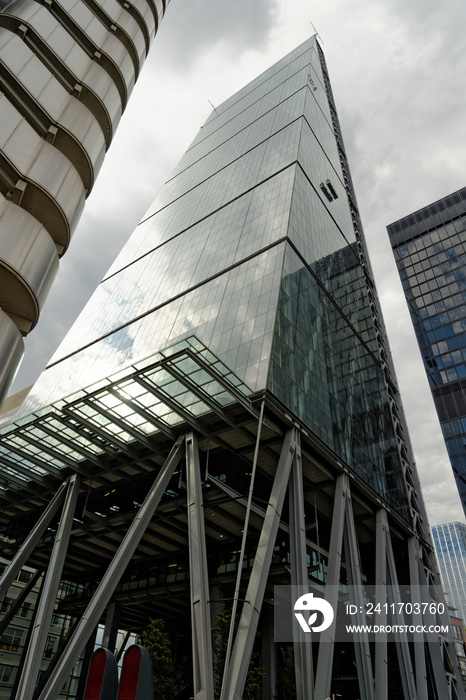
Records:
x=67, y=73
x=251, y=247
x=450, y=546
x=430, y=252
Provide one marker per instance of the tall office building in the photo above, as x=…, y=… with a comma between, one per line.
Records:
x=430, y=253
x=67, y=69
x=450, y=545
x=226, y=418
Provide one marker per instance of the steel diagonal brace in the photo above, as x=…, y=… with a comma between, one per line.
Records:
x=31, y=541
x=46, y=604
x=415, y=563
x=361, y=645
x=199, y=578
x=381, y=661
x=326, y=647
x=237, y=668
x=110, y=579
x=299, y=573
x=402, y=647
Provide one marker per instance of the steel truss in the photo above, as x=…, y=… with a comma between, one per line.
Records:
x=288, y=480
x=295, y=463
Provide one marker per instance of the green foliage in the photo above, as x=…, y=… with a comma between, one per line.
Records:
x=256, y=672
x=157, y=643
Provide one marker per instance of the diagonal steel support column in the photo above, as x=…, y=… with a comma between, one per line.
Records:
x=381, y=669
x=16, y=604
x=31, y=541
x=325, y=660
x=48, y=596
x=415, y=562
x=236, y=670
x=109, y=581
x=361, y=644
x=299, y=572
x=402, y=647
x=199, y=578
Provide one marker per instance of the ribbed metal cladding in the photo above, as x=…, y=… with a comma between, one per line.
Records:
x=67, y=69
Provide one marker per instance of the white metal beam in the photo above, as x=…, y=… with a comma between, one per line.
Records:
x=299, y=573
x=415, y=561
x=381, y=668
x=236, y=670
x=353, y=568
x=48, y=597
x=31, y=540
x=109, y=581
x=199, y=578
x=326, y=646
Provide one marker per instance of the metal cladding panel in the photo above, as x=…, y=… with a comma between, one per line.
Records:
x=28, y=263
x=11, y=352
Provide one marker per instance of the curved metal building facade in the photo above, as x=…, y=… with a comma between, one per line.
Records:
x=66, y=72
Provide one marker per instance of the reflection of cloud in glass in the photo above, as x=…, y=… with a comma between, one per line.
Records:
x=239, y=333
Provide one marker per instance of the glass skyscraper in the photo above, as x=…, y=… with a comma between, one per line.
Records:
x=228, y=392
x=450, y=545
x=68, y=69
x=429, y=248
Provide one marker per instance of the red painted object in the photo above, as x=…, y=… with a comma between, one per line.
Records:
x=102, y=681
x=136, y=681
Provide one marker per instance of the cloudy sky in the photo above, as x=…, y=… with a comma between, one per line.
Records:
x=398, y=71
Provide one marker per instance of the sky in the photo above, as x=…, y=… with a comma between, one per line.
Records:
x=398, y=71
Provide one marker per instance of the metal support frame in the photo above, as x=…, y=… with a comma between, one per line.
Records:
x=436, y=648
x=236, y=670
x=86, y=663
x=402, y=647
x=109, y=581
x=326, y=647
x=361, y=645
x=48, y=596
x=381, y=661
x=17, y=603
x=122, y=645
x=112, y=619
x=415, y=561
x=199, y=578
x=299, y=572
x=31, y=541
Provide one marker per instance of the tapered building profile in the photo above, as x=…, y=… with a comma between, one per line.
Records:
x=67, y=69
x=223, y=418
x=428, y=246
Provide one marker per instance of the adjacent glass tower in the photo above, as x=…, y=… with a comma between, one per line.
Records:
x=430, y=252
x=68, y=69
x=228, y=391
x=450, y=545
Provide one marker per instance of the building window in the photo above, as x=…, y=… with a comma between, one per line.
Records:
x=6, y=673
x=11, y=639
x=5, y=605
x=25, y=609
x=24, y=576
x=50, y=646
